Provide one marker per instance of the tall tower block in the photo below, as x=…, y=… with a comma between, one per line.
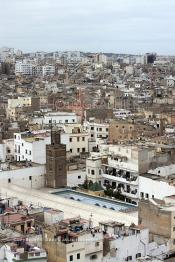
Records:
x=56, y=173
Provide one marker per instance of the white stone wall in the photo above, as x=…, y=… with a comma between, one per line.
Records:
x=155, y=188
x=75, y=178
x=21, y=177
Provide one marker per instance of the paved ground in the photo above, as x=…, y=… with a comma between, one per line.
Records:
x=70, y=208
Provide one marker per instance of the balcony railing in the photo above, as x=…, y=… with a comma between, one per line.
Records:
x=121, y=179
x=131, y=193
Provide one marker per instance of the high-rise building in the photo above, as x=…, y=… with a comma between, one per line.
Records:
x=56, y=174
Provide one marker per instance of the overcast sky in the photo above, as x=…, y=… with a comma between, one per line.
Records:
x=120, y=26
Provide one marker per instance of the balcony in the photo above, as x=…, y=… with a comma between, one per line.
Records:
x=132, y=193
x=120, y=176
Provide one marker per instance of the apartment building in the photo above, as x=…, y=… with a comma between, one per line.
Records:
x=23, y=68
x=32, y=69
x=48, y=70
x=76, y=139
x=98, y=133
x=123, y=166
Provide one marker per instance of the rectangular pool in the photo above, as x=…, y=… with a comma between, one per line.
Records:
x=95, y=201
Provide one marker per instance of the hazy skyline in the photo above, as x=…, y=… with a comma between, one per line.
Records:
x=119, y=26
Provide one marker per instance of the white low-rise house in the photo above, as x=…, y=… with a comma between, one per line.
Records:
x=29, y=175
x=158, y=183
x=123, y=243
x=56, y=118
x=94, y=168
x=31, y=146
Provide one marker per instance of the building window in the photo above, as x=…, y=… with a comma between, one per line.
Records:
x=70, y=139
x=73, y=120
x=92, y=135
x=173, y=228
x=147, y=195
x=26, y=151
x=97, y=244
x=22, y=144
x=88, y=171
x=78, y=256
x=129, y=258
x=78, y=150
x=71, y=150
x=71, y=258
x=107, y=129
x=78, y=139
x=92, y=128
x=83, y=149
x=92, y=172
x=79, y=177
x=30, y=152
x=30, y=177
x=99, y=171
x=66, y=121
x=138, y=255
x=83, y=138
x=100, y=129
x=92, y=257
x=141, y=194
x=173, y=241
x=9, y=180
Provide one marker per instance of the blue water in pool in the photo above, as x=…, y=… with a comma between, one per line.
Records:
x=95, y=201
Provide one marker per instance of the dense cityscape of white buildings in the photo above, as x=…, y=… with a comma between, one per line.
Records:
x=87, y=157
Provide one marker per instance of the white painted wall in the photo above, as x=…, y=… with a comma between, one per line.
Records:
x=75, y=178
x=21, y=177
x=156, y=188
x=2, y=152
